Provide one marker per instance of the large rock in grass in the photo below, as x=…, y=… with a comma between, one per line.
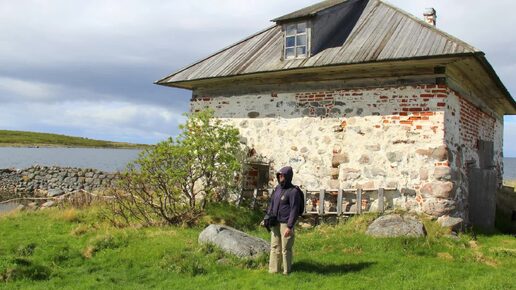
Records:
x=395, y=225
x=454, y=223
x=234, y=241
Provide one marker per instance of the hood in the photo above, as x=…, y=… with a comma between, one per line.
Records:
x=288, y=173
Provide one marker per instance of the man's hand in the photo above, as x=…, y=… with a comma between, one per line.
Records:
x=288, y=232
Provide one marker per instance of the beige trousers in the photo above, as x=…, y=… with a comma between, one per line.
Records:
x=281, y=249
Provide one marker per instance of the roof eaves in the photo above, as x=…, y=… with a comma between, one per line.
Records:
x=178, y=84
x=163, y=80
x=480, y=56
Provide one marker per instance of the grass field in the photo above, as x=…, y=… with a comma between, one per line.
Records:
x=511, y=183
x=73, y=249
x=24, y=139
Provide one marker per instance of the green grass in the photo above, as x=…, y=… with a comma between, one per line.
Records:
x=511, y=183
x=72, y=249
x=23, y=139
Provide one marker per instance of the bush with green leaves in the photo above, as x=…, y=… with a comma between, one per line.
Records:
x=172, y=182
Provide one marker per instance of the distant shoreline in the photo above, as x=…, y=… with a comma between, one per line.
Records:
x=23, y=139
x=35, y=146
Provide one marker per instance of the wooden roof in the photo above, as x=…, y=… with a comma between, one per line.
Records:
x=382, y=33
x=310, y=10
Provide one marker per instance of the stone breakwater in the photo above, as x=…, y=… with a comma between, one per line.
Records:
x=43, y=180
x=9, y=180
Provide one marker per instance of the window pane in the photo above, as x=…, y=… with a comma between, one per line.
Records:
x=291, y=29
x=301, y=27
x=301, y=40
x=301, y=50
x=290, y=41
x=290, y=53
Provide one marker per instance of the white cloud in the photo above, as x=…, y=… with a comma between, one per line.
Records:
x=106, y=120
x=510, y=136
x=18, y=90
x=86, y=67
x=34, y=91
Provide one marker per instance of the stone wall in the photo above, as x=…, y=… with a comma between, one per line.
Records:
x=363, y=138
x=467, y=128
x=9, y=179
x=39, y=180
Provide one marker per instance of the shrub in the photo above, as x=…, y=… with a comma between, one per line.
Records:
x=26, y=250
x=173, y=181
x=24, y=268
x=187, y=263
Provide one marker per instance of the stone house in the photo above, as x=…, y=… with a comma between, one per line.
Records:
x=360, y=94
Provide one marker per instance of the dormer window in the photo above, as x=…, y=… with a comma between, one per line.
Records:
x=296, y=40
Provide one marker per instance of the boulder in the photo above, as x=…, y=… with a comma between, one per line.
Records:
x=400, y=203
x=437, y=207
x=438, y=189
x=439, y=153
x=350, y=174
x=364, y=159
x=443, y=173
x=234, y=241
x=55, y=192
x=48, y=204
x=395, y=225
x=339, y=159
x=375, y=205
x=454, y=223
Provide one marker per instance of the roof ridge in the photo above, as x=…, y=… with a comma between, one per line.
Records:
x=309, y=10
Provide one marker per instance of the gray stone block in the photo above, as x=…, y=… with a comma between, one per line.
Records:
x=55, y=192
x=234, y=241
x=395, y=225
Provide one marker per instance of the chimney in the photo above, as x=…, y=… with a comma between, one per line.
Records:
x=430, y=16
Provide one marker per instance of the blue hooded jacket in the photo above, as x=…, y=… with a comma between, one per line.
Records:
x=285, y=200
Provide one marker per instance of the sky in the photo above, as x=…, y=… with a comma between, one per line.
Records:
x=87, y=68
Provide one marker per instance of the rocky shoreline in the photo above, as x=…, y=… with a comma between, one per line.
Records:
x=39, y=181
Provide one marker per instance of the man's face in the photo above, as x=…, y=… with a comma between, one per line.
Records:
x=281, y=178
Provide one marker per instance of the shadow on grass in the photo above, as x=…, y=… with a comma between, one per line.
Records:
x=314, y=267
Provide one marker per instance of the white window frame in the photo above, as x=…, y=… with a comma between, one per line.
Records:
x=296, y=35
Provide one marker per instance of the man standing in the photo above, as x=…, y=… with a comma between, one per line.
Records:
x=284, y=209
